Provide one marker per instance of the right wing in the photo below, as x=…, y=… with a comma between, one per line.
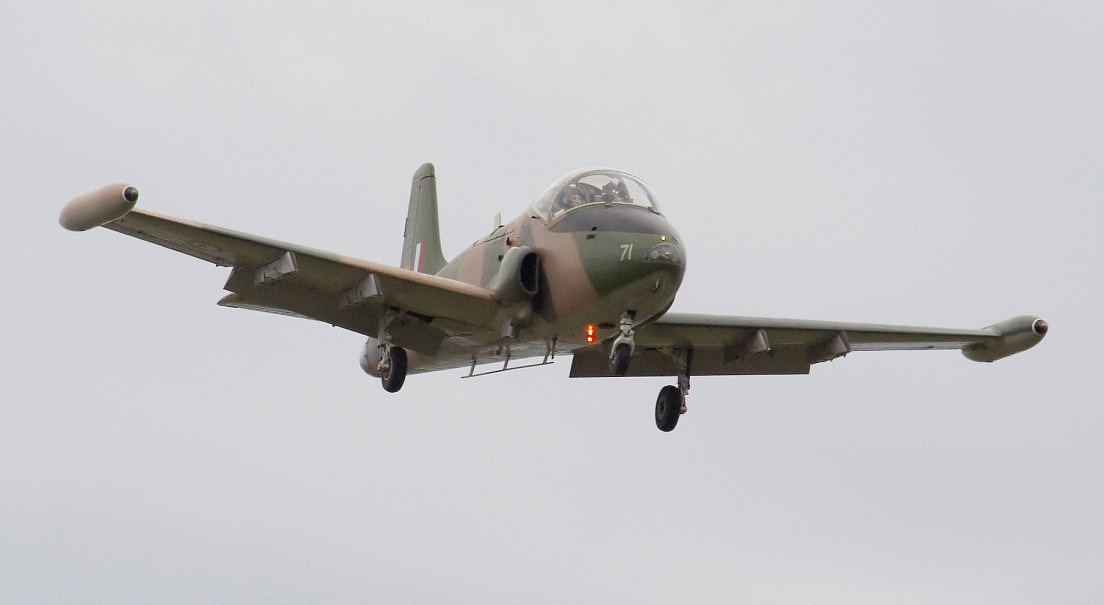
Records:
x=284, y=278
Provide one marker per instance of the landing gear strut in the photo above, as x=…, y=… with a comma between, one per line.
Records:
x=623, y=346
x=671, y=402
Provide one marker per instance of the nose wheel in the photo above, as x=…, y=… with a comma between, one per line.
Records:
x=619, y=359
x=622, y=347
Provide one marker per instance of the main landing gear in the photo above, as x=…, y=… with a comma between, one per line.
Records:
x=392, y=368
x=668, y=408
x=671, y=402
x=392, y=359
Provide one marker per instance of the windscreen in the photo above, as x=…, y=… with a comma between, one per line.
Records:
x=594, y=187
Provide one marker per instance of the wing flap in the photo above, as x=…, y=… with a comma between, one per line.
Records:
x=708, y=360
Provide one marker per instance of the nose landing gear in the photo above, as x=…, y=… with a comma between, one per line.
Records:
x=619, y=359
x=623, y=346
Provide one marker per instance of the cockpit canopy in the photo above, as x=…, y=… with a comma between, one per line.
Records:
x=582, y=187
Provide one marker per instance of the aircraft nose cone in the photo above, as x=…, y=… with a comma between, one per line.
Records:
x=666, y=252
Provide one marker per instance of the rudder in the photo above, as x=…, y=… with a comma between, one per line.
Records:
x=422, y=236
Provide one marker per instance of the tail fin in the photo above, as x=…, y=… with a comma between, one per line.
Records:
x=422, y=238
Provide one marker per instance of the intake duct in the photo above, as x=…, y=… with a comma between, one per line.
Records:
x=518, y=279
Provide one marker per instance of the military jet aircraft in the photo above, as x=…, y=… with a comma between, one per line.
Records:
x=590, y=269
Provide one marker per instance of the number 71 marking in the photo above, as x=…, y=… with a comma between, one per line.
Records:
x=626, y=252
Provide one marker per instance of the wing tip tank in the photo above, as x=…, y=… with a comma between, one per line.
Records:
x=95, y=208
x=1012, y=336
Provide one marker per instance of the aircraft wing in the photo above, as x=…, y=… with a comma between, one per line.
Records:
x=287, y=279
x=722, y=345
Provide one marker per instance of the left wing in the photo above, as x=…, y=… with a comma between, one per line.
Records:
x=294, y=280
x=751, y=345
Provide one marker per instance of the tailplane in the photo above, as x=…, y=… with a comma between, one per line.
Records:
x=422, y=238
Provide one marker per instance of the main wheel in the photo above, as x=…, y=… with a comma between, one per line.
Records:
x=668, y=408
x=619, y=361
x=394, y=377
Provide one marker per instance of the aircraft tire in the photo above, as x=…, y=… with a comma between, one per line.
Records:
x=619, y=361
x=668, y=408
x=395, y=376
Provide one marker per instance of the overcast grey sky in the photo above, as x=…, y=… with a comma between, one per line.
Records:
x=928, y=163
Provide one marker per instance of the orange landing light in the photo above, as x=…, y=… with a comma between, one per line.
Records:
x=590, y=333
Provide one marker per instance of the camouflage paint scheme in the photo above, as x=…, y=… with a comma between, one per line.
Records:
x=591, y=272
x=593, y=254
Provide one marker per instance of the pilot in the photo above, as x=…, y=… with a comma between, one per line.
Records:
x=615, y=192
x=570, y=197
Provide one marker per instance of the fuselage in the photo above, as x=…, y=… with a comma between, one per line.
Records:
x=605, y=250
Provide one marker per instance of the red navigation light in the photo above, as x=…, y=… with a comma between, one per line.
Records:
x=590, y=333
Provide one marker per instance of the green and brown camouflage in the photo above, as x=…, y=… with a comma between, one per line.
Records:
x=609, y=244
x=590, y=269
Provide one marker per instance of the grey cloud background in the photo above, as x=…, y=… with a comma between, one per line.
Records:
x=935, y=163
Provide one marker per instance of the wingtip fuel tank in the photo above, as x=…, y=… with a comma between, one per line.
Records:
x=1014, y=335
x=95, y=208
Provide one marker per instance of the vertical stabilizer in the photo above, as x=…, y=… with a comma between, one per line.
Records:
x=422, y=238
